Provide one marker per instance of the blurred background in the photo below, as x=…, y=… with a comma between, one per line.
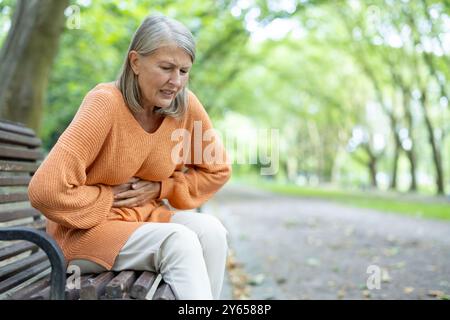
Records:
x=347, y=102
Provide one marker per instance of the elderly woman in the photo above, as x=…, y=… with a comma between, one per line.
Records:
x=103, y=184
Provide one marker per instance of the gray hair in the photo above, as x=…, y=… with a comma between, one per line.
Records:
x=155, y=32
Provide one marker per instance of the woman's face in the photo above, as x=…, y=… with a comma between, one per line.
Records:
x=161, y=75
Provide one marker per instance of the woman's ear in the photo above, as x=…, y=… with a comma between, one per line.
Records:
x=133, y=56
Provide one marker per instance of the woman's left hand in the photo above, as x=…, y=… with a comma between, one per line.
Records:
x=140, y=193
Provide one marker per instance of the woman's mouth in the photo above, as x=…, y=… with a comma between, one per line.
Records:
x=167, y=93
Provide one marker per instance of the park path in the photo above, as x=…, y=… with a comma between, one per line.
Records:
x=298, y=248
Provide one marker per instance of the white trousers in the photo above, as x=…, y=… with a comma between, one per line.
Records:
x=189, y=252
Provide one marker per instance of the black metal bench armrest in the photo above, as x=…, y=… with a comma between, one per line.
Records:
x=50, y=247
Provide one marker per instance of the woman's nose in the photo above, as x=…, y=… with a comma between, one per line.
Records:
x=175, y=78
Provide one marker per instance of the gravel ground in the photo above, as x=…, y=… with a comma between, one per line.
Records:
x=297, y=248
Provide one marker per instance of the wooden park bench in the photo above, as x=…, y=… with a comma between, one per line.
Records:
x=32, y=265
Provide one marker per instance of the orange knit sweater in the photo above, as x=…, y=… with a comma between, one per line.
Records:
x=103, y=146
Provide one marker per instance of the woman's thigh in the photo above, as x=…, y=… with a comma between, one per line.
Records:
x=200, y=223
x=140, y=252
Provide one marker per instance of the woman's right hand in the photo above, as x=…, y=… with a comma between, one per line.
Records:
x=125, y=186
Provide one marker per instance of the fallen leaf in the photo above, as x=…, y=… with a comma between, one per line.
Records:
x=391, y=238
x=341, y=294
x=257, y=279
x=336, y=246
x=389, y=252
x=436, y=293
x=366, y=293
x=399, y=265
x=238, y=278
x=349, y=231
x=313, y=262
x=290, y=224
x=385, y=277
x=408, y=290
x=243, y=237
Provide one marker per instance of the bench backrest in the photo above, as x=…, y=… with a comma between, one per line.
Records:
x=20, y=156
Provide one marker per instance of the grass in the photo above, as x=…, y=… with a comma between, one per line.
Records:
x=413, y=205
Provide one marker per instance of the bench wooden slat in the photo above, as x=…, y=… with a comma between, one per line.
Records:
x=126, y=296
x=17, y=213
x=69, y=294
x=16, y=127
x=16, y=249
x=39, y=224
x=13, y=197
x=15, y=181
x=43, y=294
x=20, y=153
x=120, y=285
x=27, y=292
x=72, y=294
x=94, y=288
x=22, y=264
x=143, y=285
x=163, y=292
x=18, y=166
x=19, y=139
x=23, y=276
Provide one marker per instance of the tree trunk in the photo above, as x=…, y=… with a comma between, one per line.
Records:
x=26, y=59
x=411, y=154
x=372, y=165
x=373, y=172
x=412, y=169
x=399, y=81
x=393, y=184
x=435, y=148
x=437, y=160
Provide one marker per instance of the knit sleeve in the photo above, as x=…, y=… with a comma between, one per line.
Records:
x=58, y=188
x=208, y=168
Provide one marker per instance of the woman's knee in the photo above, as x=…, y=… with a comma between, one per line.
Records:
x=182, y=240
x=213, y=229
